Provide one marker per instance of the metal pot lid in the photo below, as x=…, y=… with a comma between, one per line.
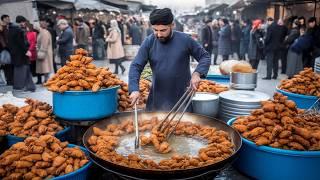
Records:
x=235, y=109
x=233, y=113
x=202, y=96
x=240, y=106
x=243, y=97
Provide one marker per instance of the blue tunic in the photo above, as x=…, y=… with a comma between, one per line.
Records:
x=170, y=64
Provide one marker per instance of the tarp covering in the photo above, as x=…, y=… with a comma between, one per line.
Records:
x=15, y=8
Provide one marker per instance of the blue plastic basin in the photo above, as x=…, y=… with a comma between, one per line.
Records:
x=267, y=163
x=80, y=174
x=85, y=105
x=222, y=79
x=302, y=101
x=61, y=135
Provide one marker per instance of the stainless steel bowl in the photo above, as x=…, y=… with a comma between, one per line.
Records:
x=206, y=104
x=243, y=81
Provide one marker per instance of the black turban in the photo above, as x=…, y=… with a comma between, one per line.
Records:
x=161, y=17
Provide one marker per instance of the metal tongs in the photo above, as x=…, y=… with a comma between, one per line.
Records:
x=314, y=110
x=136, y=126
x=166, y=127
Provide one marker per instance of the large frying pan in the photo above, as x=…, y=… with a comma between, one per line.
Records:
x=131, y=173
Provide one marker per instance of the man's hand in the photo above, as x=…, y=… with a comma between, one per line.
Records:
x=195, y=80
x=134, y=97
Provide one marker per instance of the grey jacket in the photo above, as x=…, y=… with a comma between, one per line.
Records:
x=65, y=40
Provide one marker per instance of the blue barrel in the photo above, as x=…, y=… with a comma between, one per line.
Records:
x=85, y=105
x=267, y=163
x=222, y=79
x=61, y=135
x=80, y=174
x=302, y=101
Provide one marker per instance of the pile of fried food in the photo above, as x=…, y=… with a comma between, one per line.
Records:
x=306, y=82
x=124, y=99
x=104, y=141
x=80, y=74
x=34, y=119
x=211, y=87
x=280, y=124
x=40, y=158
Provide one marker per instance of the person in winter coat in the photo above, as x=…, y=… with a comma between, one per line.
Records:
x=300, y=45
x=65, y=41
x=45, y=50
x=283, y=50
x=32, y=39
x=273, y=43
x=256, y=44
x=19, y=49
x=215, y=40
x=82, y=33
x=235, y=38
x=4, y=32
x=135, y=33
x=115, y=51
x=98, y=32
x=206, y=36
x=245, y=39
x=224, y=47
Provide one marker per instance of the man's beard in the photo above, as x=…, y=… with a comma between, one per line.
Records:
x=165, y=39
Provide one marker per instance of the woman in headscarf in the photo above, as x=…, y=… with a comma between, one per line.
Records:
x=256, y=44
x=115, y=50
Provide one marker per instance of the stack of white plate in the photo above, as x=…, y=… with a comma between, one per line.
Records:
x=317, y=65
x=239, y=103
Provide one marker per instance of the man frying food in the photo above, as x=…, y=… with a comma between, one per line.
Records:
x=168, y=53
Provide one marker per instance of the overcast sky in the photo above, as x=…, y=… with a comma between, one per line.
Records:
x=180, y=5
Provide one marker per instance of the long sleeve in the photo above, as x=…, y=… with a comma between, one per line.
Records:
x=113, y=36
x=137, y=66
x=32, y=38
x=65, y=37
x=44, y=42
x=202, y=56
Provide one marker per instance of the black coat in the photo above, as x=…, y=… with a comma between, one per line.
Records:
x=18, y=45
x=245, y=39
x=274, y=38
x=255, y=44
x=224, y=47
x=206, y=37
x=293, y=35
x=135, y=34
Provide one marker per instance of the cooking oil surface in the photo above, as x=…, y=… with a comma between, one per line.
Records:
x=181, y=145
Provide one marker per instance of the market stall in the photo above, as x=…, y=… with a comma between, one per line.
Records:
x=92, y=108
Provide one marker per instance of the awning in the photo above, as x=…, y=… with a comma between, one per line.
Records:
x=59, y=4
x=94, y=5
x=116, y=3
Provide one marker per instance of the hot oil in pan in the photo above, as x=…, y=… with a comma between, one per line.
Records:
x=182, y=145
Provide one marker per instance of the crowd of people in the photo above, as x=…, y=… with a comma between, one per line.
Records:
x=38, y=50
x=296, y=43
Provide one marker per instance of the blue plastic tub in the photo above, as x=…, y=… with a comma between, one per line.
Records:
x=267, y=163
x=80, y=174
x=222, y=79
x=61, y=135
x=85, y=105
x=302, y=101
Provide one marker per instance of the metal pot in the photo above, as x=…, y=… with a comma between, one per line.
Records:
x=205, y=104
x=243, y=81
